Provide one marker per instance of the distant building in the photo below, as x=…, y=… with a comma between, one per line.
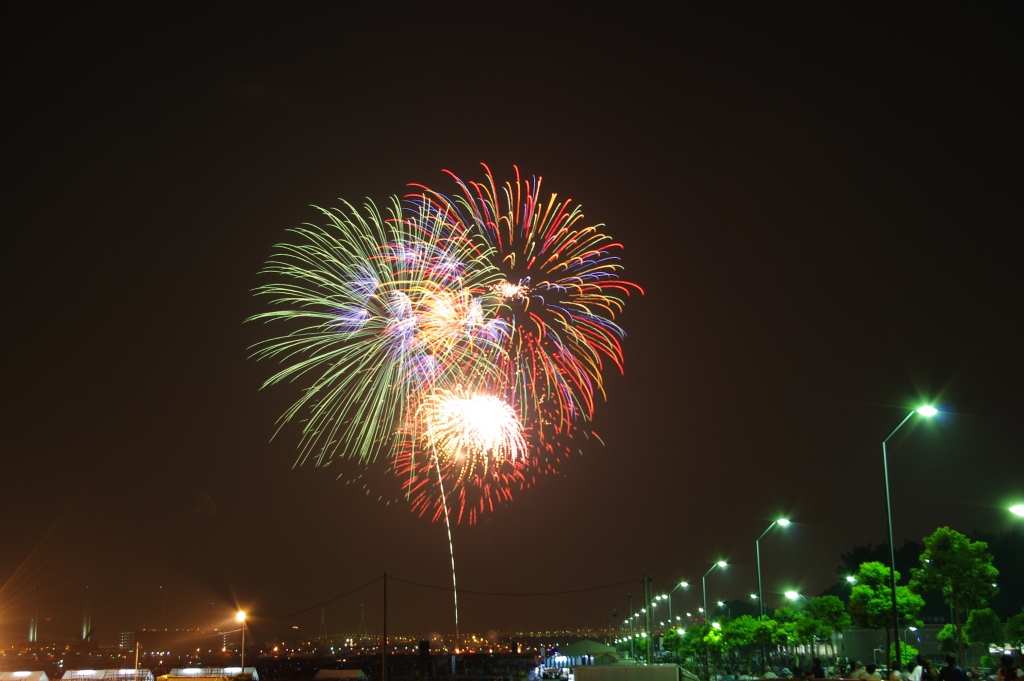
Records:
x=339, y=674
x=127, y=640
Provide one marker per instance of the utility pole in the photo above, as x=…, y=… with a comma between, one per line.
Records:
x=632, y=636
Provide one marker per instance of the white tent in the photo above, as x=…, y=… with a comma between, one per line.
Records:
x=23, y=676
x=107, y=675
x=211, y=672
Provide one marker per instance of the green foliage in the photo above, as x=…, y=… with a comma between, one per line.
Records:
x=906, y=557
x=947, y=639
x=958, y=567
x=1007, y=549
x=907, y=652
x=831, y=612
x=983, y=626
x=989, y=661
x=672, y=641
x=740, y=632
x=766, y=632
x=871, y=599
x=1014, y=631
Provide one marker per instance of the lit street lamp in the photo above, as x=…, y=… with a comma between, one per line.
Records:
x=704, y=588
x=1017, y=510
x=928, y=412
x=241, y=620
x=721, y=604
x=685, y=585
x=781, y=522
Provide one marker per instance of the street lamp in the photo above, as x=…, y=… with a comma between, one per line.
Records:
x=793, y=595
x=685, y=585
x=905, y=634
x=781, y=522
x=927, y=411
x=704, y=588
x=1017, y=510
x=240, y=616
x=727, y=608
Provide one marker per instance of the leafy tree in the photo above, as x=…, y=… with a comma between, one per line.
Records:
x=741, y=634
x=1014, y=631
x=948, y=640
x=961, y=569
x=673, y=642
x=831, y=613
x=1007, y=549
x=766, y=633
x=871, y=601
x=907, y=653
x=906, y=557
x=983, y=626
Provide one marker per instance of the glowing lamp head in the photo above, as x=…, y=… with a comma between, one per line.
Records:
x=851, y=579
x=720, y=603
x=927, y=410
x=716, y=625
x=753, y=597
x=783, y=522
x=1017, y=510
x=792, y=595
x=721, y=563
x=240, y=616
x=687, y=584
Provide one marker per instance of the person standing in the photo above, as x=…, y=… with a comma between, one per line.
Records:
x=951, y=672
x=927, y=670
x=1007, y=672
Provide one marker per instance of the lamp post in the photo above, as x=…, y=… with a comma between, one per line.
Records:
x=240, y=616
x=704, y=588
x=781, y=522
x=721, y=604
x=685, y=585
x=926, y=411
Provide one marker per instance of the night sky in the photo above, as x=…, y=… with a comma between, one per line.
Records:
x=820, y=203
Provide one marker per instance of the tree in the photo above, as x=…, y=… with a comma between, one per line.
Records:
x=741, y=634
x=961, y=569
x=907, y=653
x=983, y=626
x=871, y=601
x=831, y=612
x=1007, y=549
x=948, y=640
x=1014, y=631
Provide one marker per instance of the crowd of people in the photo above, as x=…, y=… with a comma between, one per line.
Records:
x=919, y=669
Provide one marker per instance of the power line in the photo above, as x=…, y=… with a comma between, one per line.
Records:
x=503, y=593
x=318, y=605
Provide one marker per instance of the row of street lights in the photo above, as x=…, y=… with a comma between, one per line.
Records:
x=926, y=411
